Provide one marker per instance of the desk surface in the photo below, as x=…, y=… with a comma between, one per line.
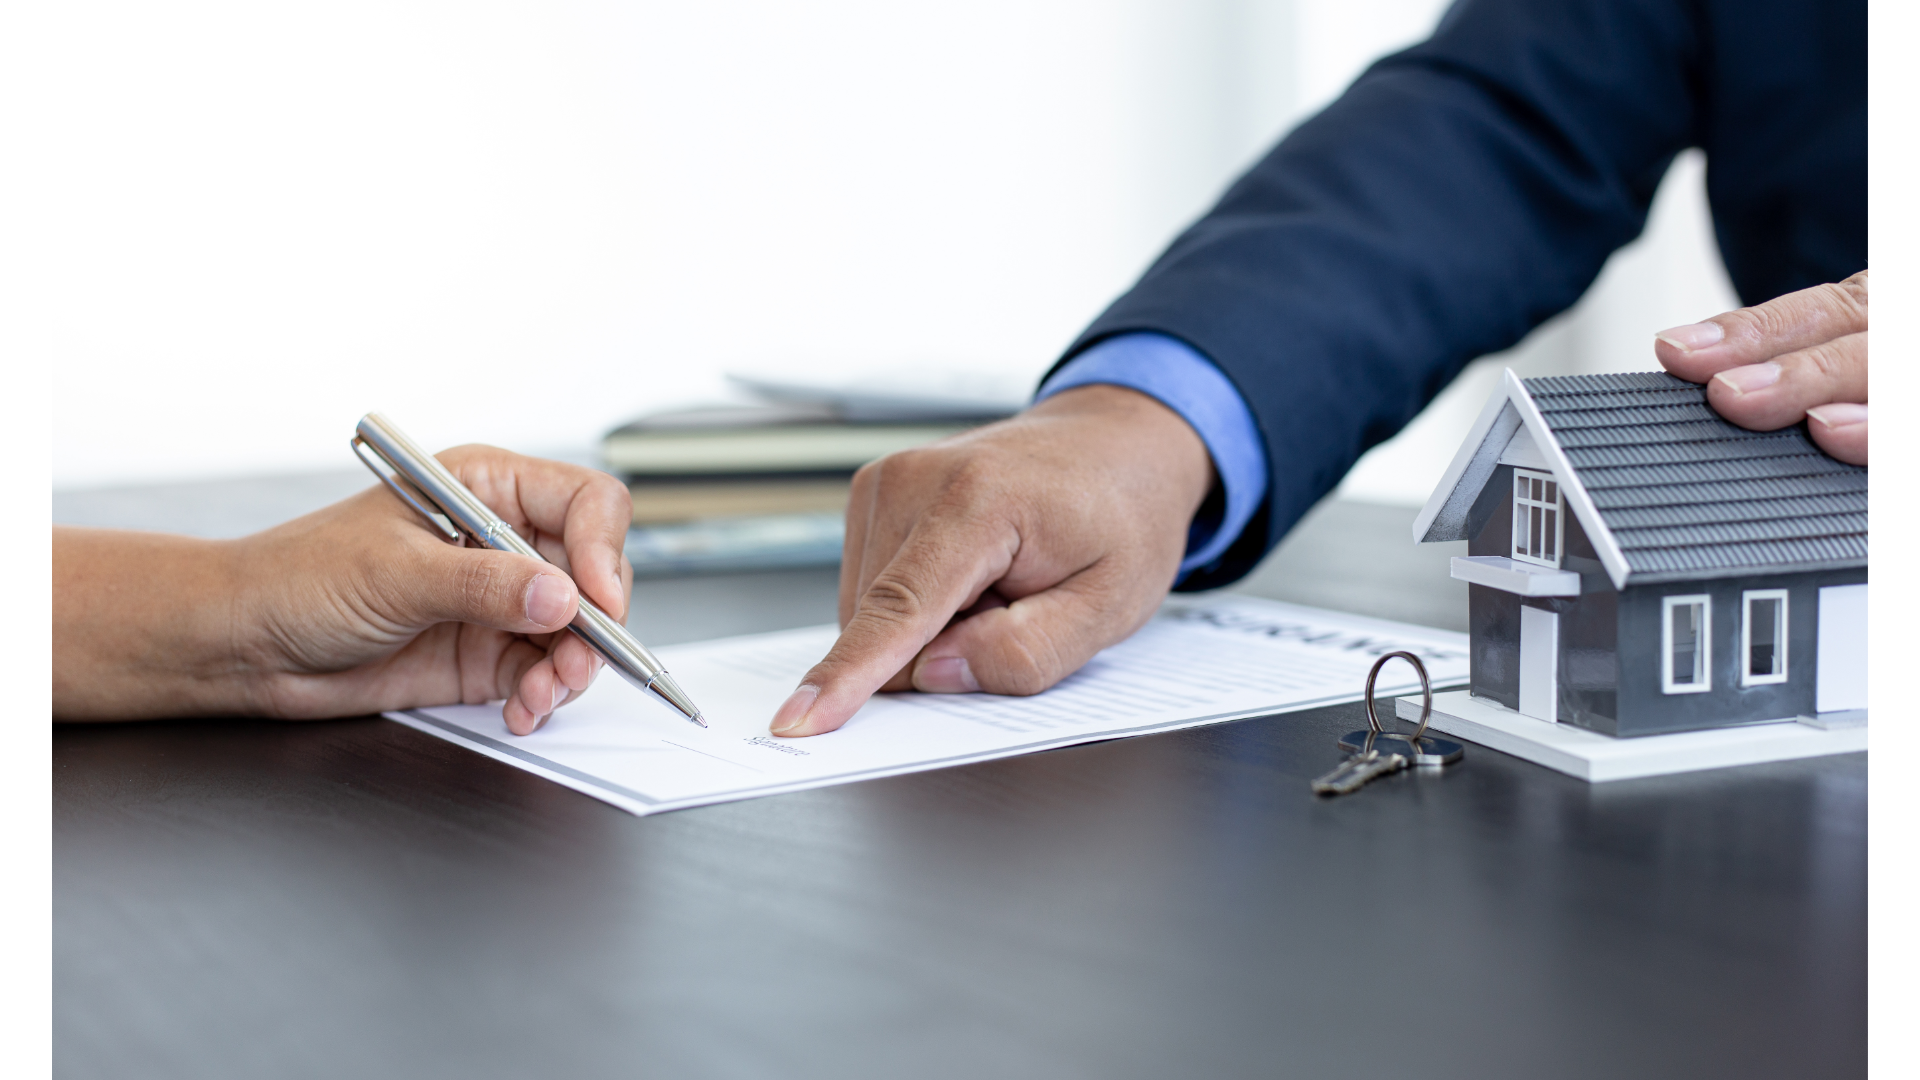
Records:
x=354, y=898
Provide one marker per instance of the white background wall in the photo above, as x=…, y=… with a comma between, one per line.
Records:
x=522, y=223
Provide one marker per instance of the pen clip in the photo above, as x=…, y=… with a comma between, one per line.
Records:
x=377, y=463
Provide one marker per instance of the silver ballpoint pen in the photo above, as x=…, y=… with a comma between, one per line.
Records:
x=426, y=485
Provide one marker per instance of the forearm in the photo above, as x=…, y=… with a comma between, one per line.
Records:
x=144, y=626
x=1456, y=196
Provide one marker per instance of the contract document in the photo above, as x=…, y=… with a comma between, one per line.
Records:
x=1197, y=662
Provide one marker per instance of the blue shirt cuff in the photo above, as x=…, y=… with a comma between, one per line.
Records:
x=1175, y=374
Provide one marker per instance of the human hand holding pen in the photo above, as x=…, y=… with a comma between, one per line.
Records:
x=354, y=609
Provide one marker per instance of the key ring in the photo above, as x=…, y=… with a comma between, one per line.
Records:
x=1426, y=695
x=1419, y=748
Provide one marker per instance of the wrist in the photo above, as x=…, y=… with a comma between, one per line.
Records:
x=243, y=590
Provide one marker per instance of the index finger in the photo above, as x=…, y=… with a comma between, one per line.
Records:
x=1785, y=324
x=586, y=510
x=943, y=566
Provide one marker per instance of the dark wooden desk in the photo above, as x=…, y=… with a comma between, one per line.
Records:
x=353, y=898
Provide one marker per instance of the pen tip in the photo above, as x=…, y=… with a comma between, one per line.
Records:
x=670, y=692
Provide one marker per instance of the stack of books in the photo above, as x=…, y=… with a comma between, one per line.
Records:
x=764, y=484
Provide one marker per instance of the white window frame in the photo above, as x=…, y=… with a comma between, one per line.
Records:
x=1747, y=677
x=1704, y=653
x=1558, y=506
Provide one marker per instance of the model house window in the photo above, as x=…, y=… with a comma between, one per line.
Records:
x=1536, y=518
x=1686, y=637
x=1763, y=637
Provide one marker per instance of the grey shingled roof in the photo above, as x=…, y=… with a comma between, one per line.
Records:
x=1687, y=494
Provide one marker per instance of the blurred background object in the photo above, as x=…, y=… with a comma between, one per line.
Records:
x=763, y=482
x=529, y=224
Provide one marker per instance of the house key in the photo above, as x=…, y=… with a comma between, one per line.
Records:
x=1360, y=767
x=1375, y=752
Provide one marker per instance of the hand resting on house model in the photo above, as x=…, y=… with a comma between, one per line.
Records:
x=1798, y=356
x=353, y=609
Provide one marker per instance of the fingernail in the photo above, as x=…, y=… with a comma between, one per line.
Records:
x=946, y=675
x=1750, y=377
x=548, y=599
x=794, y=712
x=540, y=723
x=1693, y=336
x=559, y=694
x=1838, y=415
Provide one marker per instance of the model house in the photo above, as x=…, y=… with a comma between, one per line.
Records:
x=1637, y=565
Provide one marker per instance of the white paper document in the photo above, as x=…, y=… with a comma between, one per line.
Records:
x=1197, y=662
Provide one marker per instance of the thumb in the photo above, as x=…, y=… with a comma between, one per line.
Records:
x=936, y=573
x=496, y=589
x=1029, y=645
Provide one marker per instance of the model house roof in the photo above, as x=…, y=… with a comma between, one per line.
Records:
x=1665, y=489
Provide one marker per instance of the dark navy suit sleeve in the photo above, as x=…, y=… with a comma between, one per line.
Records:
x=1456, y=196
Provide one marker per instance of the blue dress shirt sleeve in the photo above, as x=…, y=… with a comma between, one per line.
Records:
x=1176, y=375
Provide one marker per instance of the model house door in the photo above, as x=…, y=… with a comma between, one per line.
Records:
x=1539, y=663
x=1842, y=649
